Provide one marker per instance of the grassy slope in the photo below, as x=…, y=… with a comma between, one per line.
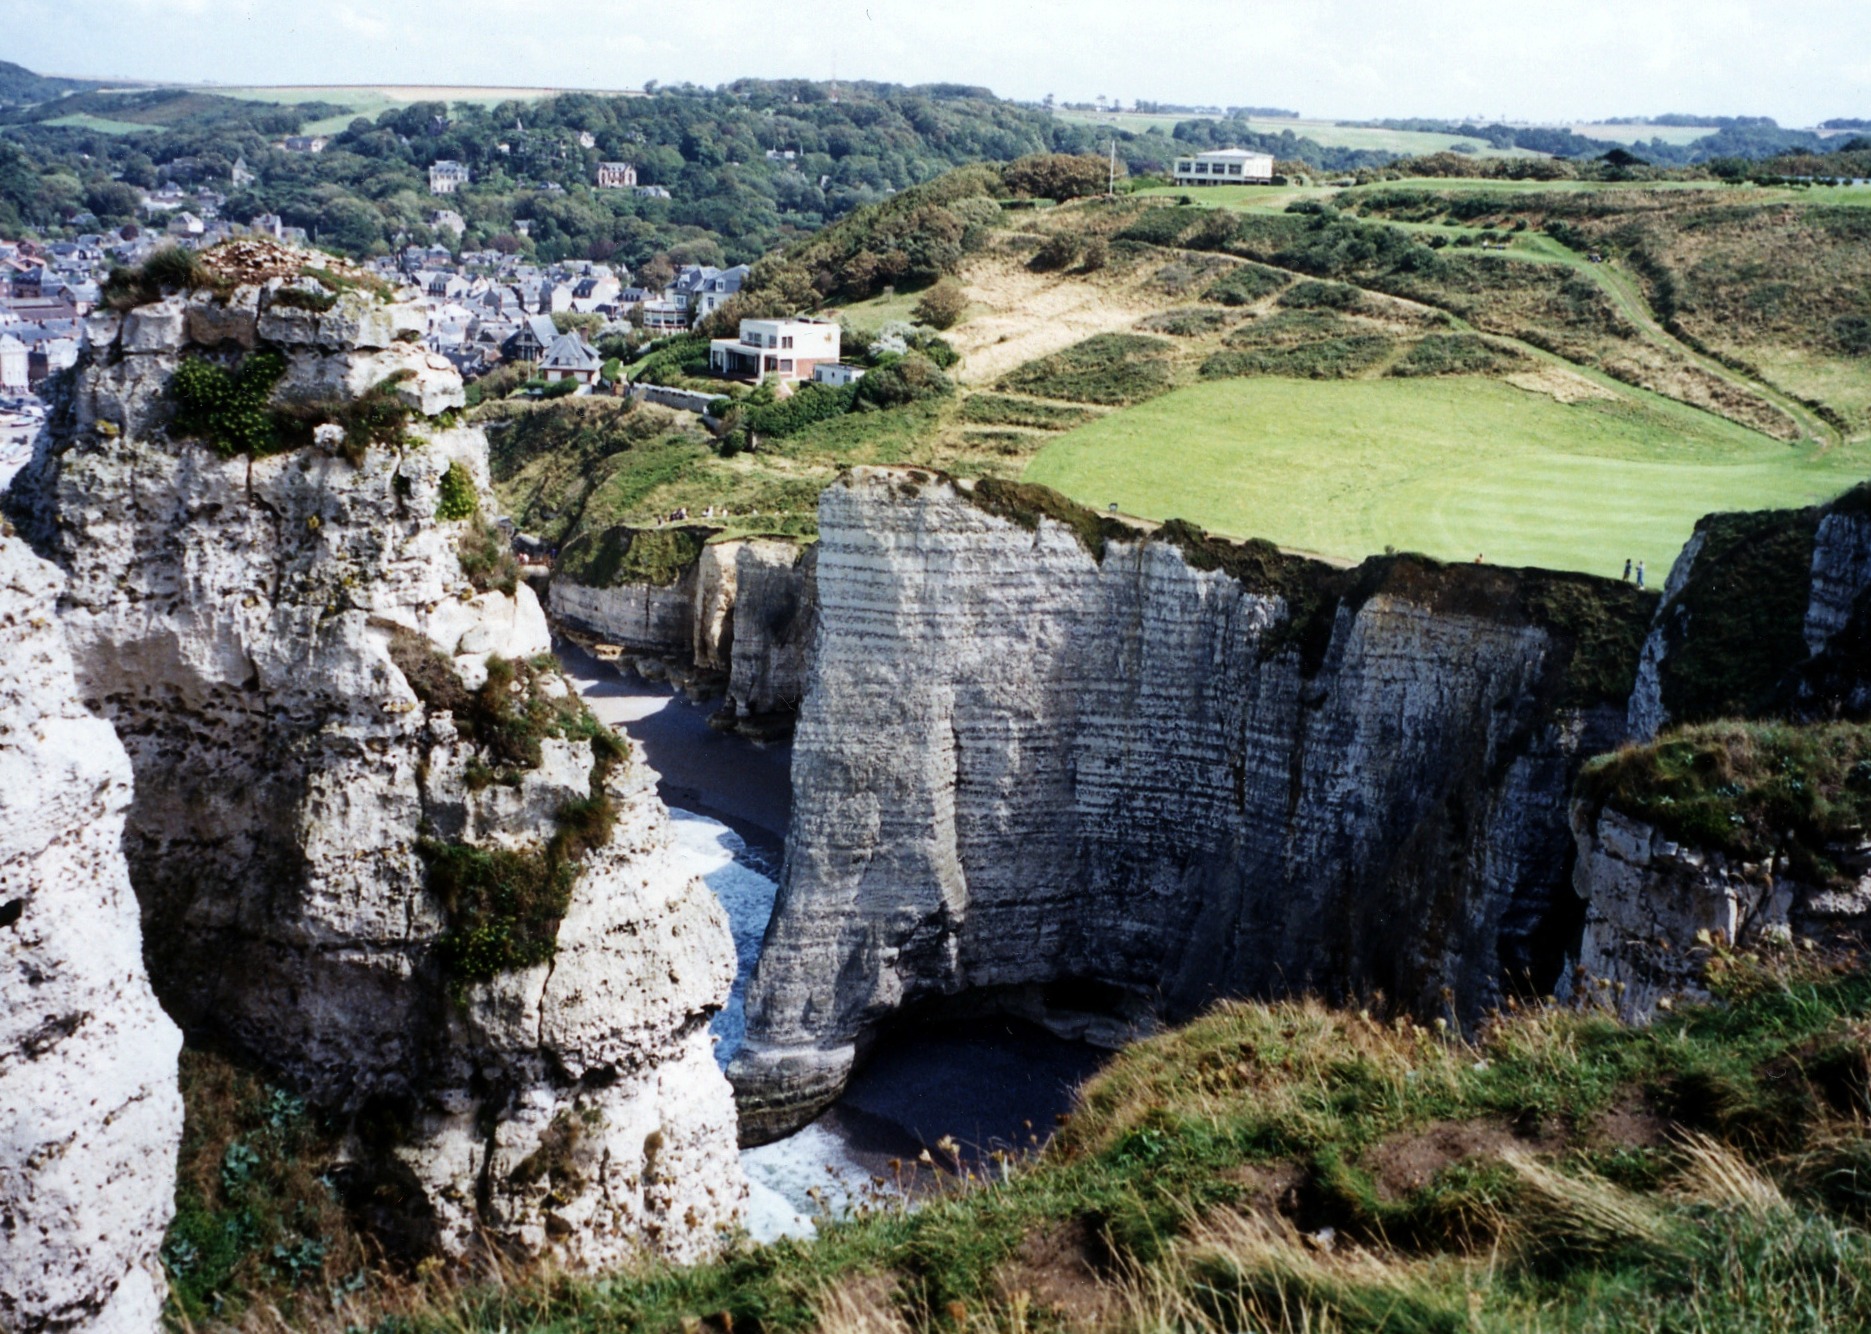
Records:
x=1328, y=133
x=1288, y=1167
x=1452, y=467
x=1446, y=467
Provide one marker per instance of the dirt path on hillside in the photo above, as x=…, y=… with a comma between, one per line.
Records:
x=1017, y=315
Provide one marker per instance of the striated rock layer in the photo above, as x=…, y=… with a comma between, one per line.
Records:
x=286, y=645
x=90, y=1118
x=1129, y=783
x=1654, y=907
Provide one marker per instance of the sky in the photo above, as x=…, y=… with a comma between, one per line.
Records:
x=1800, y=61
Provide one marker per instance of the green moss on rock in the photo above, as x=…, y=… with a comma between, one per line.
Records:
x=1752, y=790
x=1733, y=636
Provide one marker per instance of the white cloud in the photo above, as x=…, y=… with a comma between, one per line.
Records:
x=1799, y=60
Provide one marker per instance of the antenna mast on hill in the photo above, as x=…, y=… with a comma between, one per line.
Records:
x=1113, y=188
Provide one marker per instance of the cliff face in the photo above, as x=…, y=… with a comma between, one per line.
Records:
x=1130, y=784
x=90, y=1118
x=1764, y=613
x=1655, y=907
x=374, y=844
x=738, y=615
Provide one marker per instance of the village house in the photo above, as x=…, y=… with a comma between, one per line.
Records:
x=701, y=289
x=305, y=143
x=788, y=350
x=447, y=176
x=1225, y=166
x=571, y=358
x=617, y=176
x=14, y=359
x=447, y=220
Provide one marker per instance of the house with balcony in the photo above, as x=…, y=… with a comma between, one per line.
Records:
x=1225, y=166
x=786, y=350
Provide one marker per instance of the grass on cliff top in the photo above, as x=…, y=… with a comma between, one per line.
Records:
x=1450, y=468
x=1288, y=1167
x=1754, y=790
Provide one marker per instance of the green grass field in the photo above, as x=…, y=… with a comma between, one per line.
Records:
x=100, y=125
x=1450, y=468
x=1329, y=133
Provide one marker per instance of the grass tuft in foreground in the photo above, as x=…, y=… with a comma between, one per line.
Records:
x=1292, y=1167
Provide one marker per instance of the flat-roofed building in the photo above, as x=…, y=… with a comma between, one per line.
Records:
x=783, y=349
x=1225, y=166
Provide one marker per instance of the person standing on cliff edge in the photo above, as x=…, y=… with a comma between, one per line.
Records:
x=1627, y=568
x=1640, y=574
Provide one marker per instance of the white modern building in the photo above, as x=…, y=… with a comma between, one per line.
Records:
x=784, y=349
x=836, y=374
x=1225, y=166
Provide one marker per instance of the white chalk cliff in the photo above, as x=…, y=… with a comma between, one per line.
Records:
x=251, y=626
x=90, y=1117
x=1125, y=784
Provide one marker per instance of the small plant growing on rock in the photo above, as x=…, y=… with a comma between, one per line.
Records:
x=486, y=558
x=229, y=409
x=459, y=499
x=170, y=269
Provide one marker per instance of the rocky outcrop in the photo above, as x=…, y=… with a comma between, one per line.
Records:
x=90, y=1118
x=361, y=803
x=735, y=618
x=1836, y=679
x=1047, y=759
x=1767, y=612
x=1655, y=909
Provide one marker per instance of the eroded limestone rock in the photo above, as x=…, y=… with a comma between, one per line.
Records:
x=286, y=644
x=1655, y=908
x=90, y=1118
x=739, y=620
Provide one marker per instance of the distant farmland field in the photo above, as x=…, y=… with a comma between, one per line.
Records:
x=1452, y=468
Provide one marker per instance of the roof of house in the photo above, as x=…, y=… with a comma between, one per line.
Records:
x=570, y=352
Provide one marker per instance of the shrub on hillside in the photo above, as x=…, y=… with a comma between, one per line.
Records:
x=1314, y=295
x=1455, y=354
x=906, y=379
x=1112, y=369
x=1330, y=359
x=1246, y=284
x=942, y=305
x=1190, y=322
x=1058, y=176
x=1059, y=251
x=1159, y=226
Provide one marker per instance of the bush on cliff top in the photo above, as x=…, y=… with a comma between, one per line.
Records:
x=1755, y=791
x=624, y=555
